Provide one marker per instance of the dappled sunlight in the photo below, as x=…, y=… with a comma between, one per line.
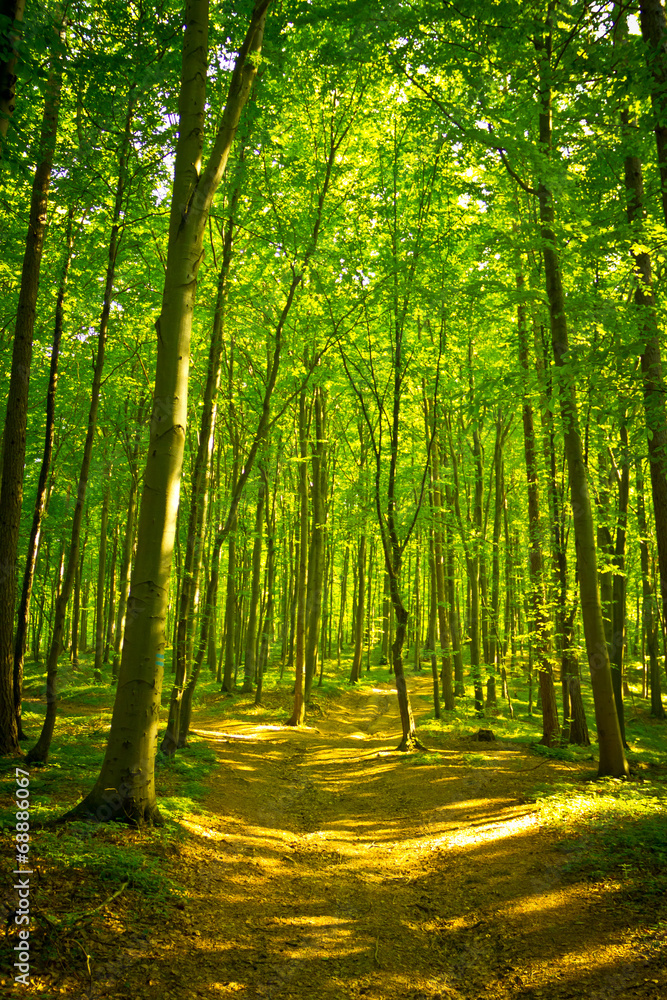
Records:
x=201, y=831
x=488, y=833
x=330, y=865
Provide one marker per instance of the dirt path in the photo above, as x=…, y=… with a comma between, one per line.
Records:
x=336, y=868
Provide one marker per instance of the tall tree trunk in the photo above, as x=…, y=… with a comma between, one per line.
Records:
x=101, y=577
x=386, y=605
x=648, y=601
x=454, y=622
x=111, y=598
x=16, y=417
x=129, y=761
x=653, y=383
x=316, y=554
x=231, y=624
x=298, y=712
x=618, y=601
x=249, y=664
x=542, y=625
x=128, y=541
x=494, y=638
x=432, y=620
x=76, y=612
x=267, y=625
x=355, y=672
x=441, y=596
x=40, y=752
x=476, y=609
x=343, y=601
x=189, y=577
x=612, y=758
x=472, y=568
x=20, y=641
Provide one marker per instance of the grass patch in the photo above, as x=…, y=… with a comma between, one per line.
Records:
x=89, y=854
x=613, y=829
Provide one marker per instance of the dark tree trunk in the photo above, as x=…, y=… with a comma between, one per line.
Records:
x=16, y=417
x=21, y=638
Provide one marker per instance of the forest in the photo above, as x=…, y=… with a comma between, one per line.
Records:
x=333, y=498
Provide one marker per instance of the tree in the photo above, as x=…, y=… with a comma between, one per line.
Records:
x=14, y=439
x=128, y=766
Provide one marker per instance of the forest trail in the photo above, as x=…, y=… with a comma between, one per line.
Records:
x=336, y=868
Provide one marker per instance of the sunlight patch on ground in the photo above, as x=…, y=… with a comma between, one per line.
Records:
x=326, y=920
x=599, y=959
x=488, y=833
x=202, y=831
x=542, y=902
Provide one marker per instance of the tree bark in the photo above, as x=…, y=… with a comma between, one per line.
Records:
x=40, y=752
x=542, y=625
x=101, y=576
x=249, y=663
x=129, y=763
x=16, y=418
x=432, y=620
x=191, y=570
x=128, y=541
x=612, y=758
x=23, y=617
x=298, y=712
x=653, y=384
x=355, y=672
x=317, y=542
x=13, y=10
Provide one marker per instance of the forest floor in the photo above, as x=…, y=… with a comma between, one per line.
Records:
x=324, y=865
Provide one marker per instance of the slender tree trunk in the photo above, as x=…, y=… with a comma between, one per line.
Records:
x=230, y=611
x=472, y=568
x=612, y=758
x=355, y=672
x=542, y=626
x=128, y=544
x=40, y=752
x=16, y=417
x=432, y=619
x=20, y=641
x=343, y=600
x=267, y=626
x=476, y=609
x=101, y=576
x=249, y=664
x=316, y=554
x=618, y=597
x=494, y=639
x=648, y=601
x=76, y=614
x=454, y=623
x=111, y=598
x=298, y=712
x=386, y=605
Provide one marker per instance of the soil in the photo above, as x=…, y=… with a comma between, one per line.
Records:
x=329, y=866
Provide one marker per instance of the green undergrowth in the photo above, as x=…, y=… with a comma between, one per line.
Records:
x=90, y=861
x=103, y=858
x=612, y=829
